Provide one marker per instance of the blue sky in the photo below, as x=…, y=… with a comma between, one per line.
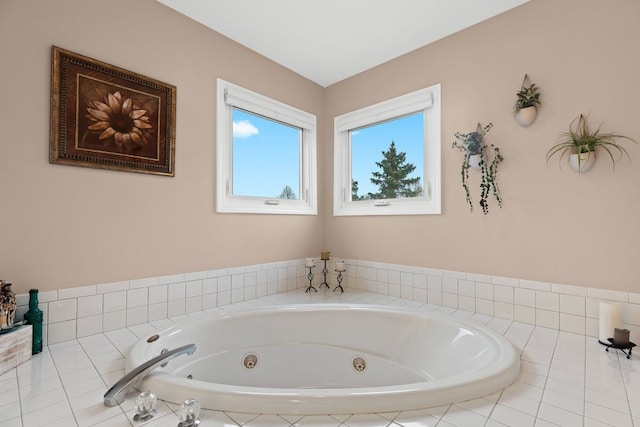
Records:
x=266, y=156
x=266, y=153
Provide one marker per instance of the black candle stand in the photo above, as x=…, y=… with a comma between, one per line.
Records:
x=629, y=346
x=324, y=273
x=339, y=281
x=310, y=278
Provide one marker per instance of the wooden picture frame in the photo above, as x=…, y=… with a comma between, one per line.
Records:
x=106, y=117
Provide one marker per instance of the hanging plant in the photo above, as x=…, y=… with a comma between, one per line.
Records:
x=526, y=106
x=476, y=156
x=581, y=143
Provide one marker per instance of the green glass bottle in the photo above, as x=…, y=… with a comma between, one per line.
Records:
x=34, y=317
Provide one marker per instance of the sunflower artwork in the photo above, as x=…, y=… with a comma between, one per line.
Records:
x=110, y=118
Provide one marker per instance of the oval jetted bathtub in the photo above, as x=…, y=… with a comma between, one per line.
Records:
x=328, y=359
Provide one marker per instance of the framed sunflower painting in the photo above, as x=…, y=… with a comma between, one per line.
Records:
x=106, y=117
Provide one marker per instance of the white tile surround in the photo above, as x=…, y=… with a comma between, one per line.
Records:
x=567, y=378
x=83, y=311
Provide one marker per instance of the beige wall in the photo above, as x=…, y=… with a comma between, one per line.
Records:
x=555, y=225
x=66, y=226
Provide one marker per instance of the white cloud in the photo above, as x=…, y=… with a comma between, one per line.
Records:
x=244, y=129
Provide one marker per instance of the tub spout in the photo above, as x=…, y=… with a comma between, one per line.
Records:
x=116, y=394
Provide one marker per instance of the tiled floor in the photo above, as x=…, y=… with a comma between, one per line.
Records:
x=566, y=380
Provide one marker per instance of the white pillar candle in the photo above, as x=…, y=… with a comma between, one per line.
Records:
x=610, y=318
x=340, y=266
x=308, y=262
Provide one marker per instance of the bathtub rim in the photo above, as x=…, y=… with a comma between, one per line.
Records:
x=232, y=398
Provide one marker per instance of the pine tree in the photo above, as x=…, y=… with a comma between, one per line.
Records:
x=287, y=193
x=392, y=180
x=354, y=191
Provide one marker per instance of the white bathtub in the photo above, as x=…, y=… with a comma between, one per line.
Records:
x=308, y=359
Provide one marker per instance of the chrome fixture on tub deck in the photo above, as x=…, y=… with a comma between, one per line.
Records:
x=116, y=394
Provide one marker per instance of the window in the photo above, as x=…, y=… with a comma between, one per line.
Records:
x=387, y=157
x=266, y=154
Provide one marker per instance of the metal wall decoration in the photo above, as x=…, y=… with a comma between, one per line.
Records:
x=106, y=117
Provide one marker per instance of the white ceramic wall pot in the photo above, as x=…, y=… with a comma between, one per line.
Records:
x=526, y=116
x=474, y=161
x=586, y=161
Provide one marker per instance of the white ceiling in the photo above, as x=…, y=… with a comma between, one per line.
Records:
x=330, y=40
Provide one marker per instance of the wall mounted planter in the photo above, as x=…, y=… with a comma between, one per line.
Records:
x=483, y=157
x=526, y=116
x=474, y=161
x=581, y=139
x=526, y=107
x=582, y=162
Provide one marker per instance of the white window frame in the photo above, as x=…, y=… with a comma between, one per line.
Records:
x=426, y=100
x=229, y=96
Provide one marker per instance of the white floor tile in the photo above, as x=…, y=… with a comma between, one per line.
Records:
x=542, y=423
x=68, y=421
x=169, y=420
x=32, y=388
x=565, y=388
x=564, y=401
x=95, y=414
x=47, y=414
x=317, y=421
x=240, y=418
x=520, y=403
x=559, y=416
x=269, y=421
x=613, y=402
x=479, y=406
x=13, y=422
x=512, y=417
x=119, y=420
x=85, y=386
x=414, y=419
x=566, y=379
x=607, y=415
x=10, y=411
x=43, y=400
x=462, y=417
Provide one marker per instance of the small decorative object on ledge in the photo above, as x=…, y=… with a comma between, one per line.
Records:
x=609, y=319
x=308, y=263
x=15, y=347
x=34, y=317
x=324, y=256
x=621, y=336
x=7, y=306
x=622, y=347
x=340, y=269
x=526, y=107
x=580, y=143
x=476, y=156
